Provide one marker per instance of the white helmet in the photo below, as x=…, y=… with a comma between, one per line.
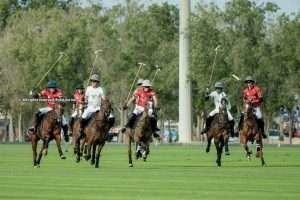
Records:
x=95, y=77
x=140, y=81
x=146, y=83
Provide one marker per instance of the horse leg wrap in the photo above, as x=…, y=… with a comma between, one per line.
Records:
x=207, y=124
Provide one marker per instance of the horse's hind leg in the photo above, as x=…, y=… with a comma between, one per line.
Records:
x=219, y=147
x=60, y=152
x=98, y=154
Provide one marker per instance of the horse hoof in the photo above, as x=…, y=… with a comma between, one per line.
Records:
x=36, y=166
x=86, y=157
x=96, y=166
x=207, y=150
x=227, y=153
x=63, y=157
x=130, y=165
x=77, y=160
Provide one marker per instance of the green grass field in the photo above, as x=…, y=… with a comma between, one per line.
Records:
x=172, y=172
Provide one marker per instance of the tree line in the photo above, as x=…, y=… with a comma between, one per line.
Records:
x=254, y=39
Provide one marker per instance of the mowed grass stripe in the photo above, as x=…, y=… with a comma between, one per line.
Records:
x=172, y=172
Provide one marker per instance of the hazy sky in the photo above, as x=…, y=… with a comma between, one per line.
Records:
x=287, y=6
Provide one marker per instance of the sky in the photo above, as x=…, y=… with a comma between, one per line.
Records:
x=287, y=6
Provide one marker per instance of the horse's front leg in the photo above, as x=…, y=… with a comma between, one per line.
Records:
x=94, y=146
x=259, y=150
x=219, y=147
x=129, y=151
x=42, y=151
x=209, y=138
x=34, y=141
x=100, y=146
x=88, y=154
x=77, y=150
x=226, y=140
x=244, y=140
x=143, y=146
x=58, y=142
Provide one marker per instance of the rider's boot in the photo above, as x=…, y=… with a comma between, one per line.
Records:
x=153, y=123
x=111, y=122
x=65, y=131
x=36, y=121
x=208, y=122
x=130, y=122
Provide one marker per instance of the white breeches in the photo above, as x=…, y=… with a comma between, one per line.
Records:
x=44, y=110
x=140, y=109
x=89, y=111
x=216, y=111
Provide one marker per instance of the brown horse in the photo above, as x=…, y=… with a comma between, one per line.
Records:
x=219, y=131
x=141, y=134
x=96, y=133
x=251, y=132
x=76, y=128
x=48, y=129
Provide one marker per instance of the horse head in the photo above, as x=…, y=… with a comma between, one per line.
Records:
x=222, y=115
x=59, y=108
x=248, y=110
x=106, y=107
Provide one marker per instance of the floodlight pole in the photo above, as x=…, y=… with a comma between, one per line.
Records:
x=185, y=100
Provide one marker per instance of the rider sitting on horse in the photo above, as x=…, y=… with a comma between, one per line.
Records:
x=94, y=94
x=79, y=98
x=51, y=92
x=253, y=94
x=217, y=97
x=143, y=97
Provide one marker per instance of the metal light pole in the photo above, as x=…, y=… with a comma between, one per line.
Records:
x=185, y=100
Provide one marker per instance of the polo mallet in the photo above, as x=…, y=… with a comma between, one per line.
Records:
x=94, y=63
x=236, y=77
x=136, y=76
x=213, y=65
x=61, y=55
x=157, y=67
